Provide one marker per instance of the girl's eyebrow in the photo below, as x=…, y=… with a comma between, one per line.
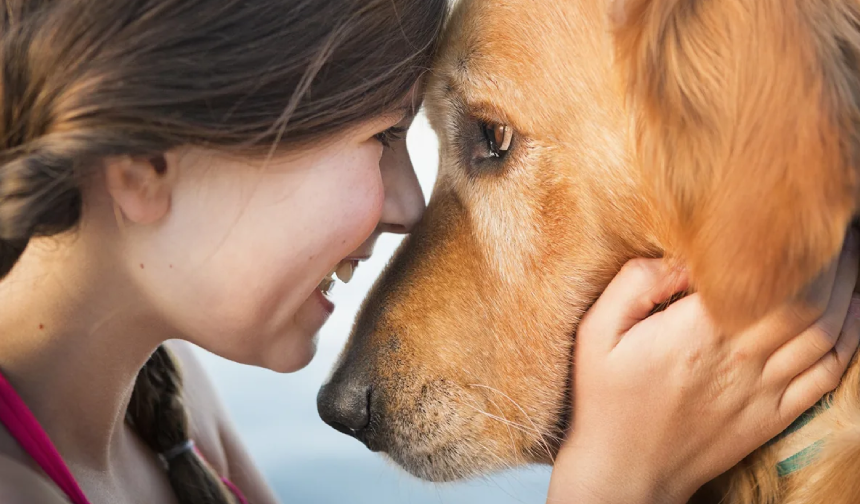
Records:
x=408, y=108
x=415, y=103
x=403, y=112
x=394, y=115
x=413, y=100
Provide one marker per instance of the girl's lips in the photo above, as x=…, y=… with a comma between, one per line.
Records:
x=357, y=258
x=324, y=302
x=347, y=266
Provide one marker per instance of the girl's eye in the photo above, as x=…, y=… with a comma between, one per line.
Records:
x=498, y=137
x=391, y=135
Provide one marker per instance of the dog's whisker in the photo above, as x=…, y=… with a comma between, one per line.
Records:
x=508, y=423
x=541, y=434
x=516, y=454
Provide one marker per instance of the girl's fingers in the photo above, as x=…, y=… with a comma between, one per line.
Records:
x=640, y=286
x=825, y=301
x=825, y=375
x=816, y=341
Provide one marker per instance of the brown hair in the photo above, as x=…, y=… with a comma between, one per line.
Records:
x=88, y=79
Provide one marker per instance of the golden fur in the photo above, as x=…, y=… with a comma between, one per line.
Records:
x=720, y=133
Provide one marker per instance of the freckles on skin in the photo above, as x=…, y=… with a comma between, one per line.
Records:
x=251, y=242
x=361, y=211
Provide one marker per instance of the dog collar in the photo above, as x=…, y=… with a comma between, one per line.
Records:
x=809, y=450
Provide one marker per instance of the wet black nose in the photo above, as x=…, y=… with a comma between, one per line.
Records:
x=345, y=405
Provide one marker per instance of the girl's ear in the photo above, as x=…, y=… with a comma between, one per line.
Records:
x=140, y=187
x=746, y=119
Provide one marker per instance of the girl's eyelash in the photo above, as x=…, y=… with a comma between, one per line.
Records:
x=392, y=134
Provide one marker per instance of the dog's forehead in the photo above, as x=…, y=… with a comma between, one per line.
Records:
x=495, y=51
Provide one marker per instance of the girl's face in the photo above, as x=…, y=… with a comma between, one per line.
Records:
x=236, y=263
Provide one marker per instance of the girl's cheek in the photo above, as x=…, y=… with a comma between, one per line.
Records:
x=368, y=206
x=367, y=217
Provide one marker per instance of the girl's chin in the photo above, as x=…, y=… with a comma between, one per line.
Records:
x=293, y=355
x=291, y=346
x=300, y=344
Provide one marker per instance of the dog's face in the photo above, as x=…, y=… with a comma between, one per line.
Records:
x=460, y=360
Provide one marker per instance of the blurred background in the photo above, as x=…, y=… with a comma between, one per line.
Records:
x=308, y=462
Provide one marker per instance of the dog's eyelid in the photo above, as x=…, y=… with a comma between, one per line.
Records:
x=488, y=114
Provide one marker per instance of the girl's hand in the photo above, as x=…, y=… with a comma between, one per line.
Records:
x=666, y=402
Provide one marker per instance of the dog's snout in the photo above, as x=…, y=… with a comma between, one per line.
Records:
x=345, y=406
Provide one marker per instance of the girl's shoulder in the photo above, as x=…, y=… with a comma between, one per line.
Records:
x=20, y=484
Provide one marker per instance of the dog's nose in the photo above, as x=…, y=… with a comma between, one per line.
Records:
x=345, y=406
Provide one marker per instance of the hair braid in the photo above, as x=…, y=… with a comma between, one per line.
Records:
x=158, y=415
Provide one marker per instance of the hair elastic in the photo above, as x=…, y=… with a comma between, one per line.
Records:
x=180, y=449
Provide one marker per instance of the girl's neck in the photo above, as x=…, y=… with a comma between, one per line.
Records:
x=72, y=340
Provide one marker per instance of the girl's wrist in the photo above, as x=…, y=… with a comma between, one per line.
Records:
x=592, y=477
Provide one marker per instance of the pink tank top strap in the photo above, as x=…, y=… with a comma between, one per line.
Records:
x=26, y=430
x=236, y=492
x=227, y=483
x=23, y=426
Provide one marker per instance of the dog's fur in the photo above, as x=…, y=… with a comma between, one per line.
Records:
x=720, y=133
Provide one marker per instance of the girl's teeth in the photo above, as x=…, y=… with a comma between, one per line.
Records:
x=344, y=271
x=326, y=284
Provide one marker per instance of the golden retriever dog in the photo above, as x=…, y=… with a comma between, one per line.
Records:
x=576, y=135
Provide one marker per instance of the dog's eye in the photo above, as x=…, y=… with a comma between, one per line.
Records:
x=498, y=137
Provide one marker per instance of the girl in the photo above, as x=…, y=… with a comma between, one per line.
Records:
x=192, y=170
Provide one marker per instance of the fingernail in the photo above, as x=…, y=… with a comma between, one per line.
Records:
x=677, y=271
x=673, y=265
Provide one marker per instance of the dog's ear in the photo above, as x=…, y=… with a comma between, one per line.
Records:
x=747, y=131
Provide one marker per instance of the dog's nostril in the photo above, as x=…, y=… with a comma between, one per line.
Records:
x=345, y=407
